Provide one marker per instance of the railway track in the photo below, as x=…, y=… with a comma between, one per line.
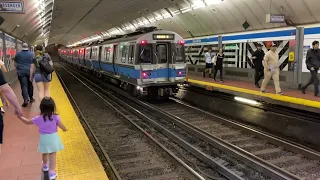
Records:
x=294, y=161
x=273, y=158
x=127, y=150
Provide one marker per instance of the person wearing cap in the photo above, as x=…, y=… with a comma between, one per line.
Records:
x=271, y=69
x=257, y=59
x=23, y=61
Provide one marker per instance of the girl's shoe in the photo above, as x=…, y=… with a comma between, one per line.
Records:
x=52, y=175
x=45, y=167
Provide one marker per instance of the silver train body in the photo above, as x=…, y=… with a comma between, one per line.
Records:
x=149, y=64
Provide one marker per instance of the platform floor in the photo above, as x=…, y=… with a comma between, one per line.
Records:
x=20, y=160
x=291, y=96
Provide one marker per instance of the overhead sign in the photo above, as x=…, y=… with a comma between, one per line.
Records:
x=275, y=18
x=12, y=6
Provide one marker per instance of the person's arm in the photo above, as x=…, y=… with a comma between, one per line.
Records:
x=25, y=120
x=4, y=98
x=308, y=61
x=11, y=97
x=3, y=67
x=265, y=61
x=32, y=69
x=61, y=126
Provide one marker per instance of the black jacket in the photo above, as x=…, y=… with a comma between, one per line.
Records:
x=313, y=59
x=259, y=58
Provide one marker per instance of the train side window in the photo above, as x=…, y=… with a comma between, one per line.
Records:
x=124, y=52
x=162, y=53
x=131, y=54
x=179, y=53
x=107, y=49
x=145, y=54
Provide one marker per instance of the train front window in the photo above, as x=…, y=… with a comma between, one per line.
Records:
x=145, y=54
x=178, y=53
x=162, y=53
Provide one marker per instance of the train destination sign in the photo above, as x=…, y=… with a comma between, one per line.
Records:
x=163, y=37
x=12, y=6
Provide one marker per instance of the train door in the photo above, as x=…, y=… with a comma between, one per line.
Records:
x=114, y=58
x=100, y=57
x=163, y=52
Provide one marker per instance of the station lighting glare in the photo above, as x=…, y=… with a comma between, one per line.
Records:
x=151, y=18
x=247, y=101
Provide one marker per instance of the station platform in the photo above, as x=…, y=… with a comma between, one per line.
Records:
x=291, y=98
x=20, y=160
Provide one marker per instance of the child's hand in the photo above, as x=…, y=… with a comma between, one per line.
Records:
x=65, y=130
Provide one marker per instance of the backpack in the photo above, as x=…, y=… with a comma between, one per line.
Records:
x=45, y=66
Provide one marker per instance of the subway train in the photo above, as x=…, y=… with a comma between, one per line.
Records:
x=147, y=63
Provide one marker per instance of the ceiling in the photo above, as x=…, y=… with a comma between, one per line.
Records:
x=34, y=25
x=75, y=20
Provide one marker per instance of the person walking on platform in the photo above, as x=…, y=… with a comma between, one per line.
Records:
x=50, y=143
x=257, y=59
x=41, y=78
x=12, y=98
x=218, y=64
x=313, y=64
x=22, y=62
x=209, y=65
x=271, y=69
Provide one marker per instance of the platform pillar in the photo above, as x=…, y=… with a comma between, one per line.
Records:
x=219, y=41
x=297, y=76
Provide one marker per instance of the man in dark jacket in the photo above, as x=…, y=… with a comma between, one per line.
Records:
x=257, y=59
x=313, y=64
x=23, y=61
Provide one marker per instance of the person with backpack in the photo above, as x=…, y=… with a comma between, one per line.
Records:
x=41, y=70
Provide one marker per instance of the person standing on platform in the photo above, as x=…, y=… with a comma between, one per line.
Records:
x=23, y=61
x=12, y=98
x=209, y=65
x=50, y=143
x=313, y=64
x=42, y=79
x=218, y=64
x=257, y=59
x=271, y=69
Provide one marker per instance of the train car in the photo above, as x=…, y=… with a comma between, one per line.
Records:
x=144, y=63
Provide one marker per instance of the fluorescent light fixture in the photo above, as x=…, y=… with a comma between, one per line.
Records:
x=247, y=101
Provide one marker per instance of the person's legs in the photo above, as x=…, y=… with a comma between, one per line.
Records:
x=314, y=74
x=45, y=161
x=303, y=88
x=221, y=73
x=40, y=87
x=24, y=89
x=275, y=77
x=215, y=72
x=52, y=165
x=256, y=77
x=30, y=89
x=267, y=77
x=1, y=131
x=46, y=89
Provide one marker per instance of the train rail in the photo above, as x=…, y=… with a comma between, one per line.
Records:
x=129, y=151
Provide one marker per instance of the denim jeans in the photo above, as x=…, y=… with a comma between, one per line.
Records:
x=26, y=87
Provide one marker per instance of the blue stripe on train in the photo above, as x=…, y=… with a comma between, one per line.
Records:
x=134, y=73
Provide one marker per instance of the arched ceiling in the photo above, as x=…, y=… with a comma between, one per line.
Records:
x=34, y=25
x=95, y=19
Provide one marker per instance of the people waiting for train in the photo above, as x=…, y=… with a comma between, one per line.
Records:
x=257, y=59
x=271, y=69
x=209, y=65
x=313, y=64
x=22, y=62
x=12, y=98
x=50, y=143
x=218, y=64
x=37, y=72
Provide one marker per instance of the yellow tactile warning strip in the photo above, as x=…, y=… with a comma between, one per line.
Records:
x=78, y=160
x=283, y=98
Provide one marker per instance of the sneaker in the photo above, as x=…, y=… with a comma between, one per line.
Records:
x=52, y=175
x=221, y=81
x=263, y=91
x=32, y=100
x=280, y=93
x=25, y=104
x=45, y=167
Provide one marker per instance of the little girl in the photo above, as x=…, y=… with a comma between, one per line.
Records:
x=50, y=142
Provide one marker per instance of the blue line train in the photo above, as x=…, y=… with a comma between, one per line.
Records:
x=146, y=62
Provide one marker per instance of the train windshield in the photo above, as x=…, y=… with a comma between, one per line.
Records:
x=178, y=53
x=162, y=52
x=145, y=54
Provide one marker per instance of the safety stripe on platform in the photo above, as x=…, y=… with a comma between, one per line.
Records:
x=283, y=98
x=78, y=160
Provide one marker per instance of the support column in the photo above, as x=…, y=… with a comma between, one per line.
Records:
x=220, y=41
x=297, y=71
x=5, y=60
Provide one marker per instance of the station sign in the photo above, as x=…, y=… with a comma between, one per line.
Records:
x=12, y=6
x=275, y=18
